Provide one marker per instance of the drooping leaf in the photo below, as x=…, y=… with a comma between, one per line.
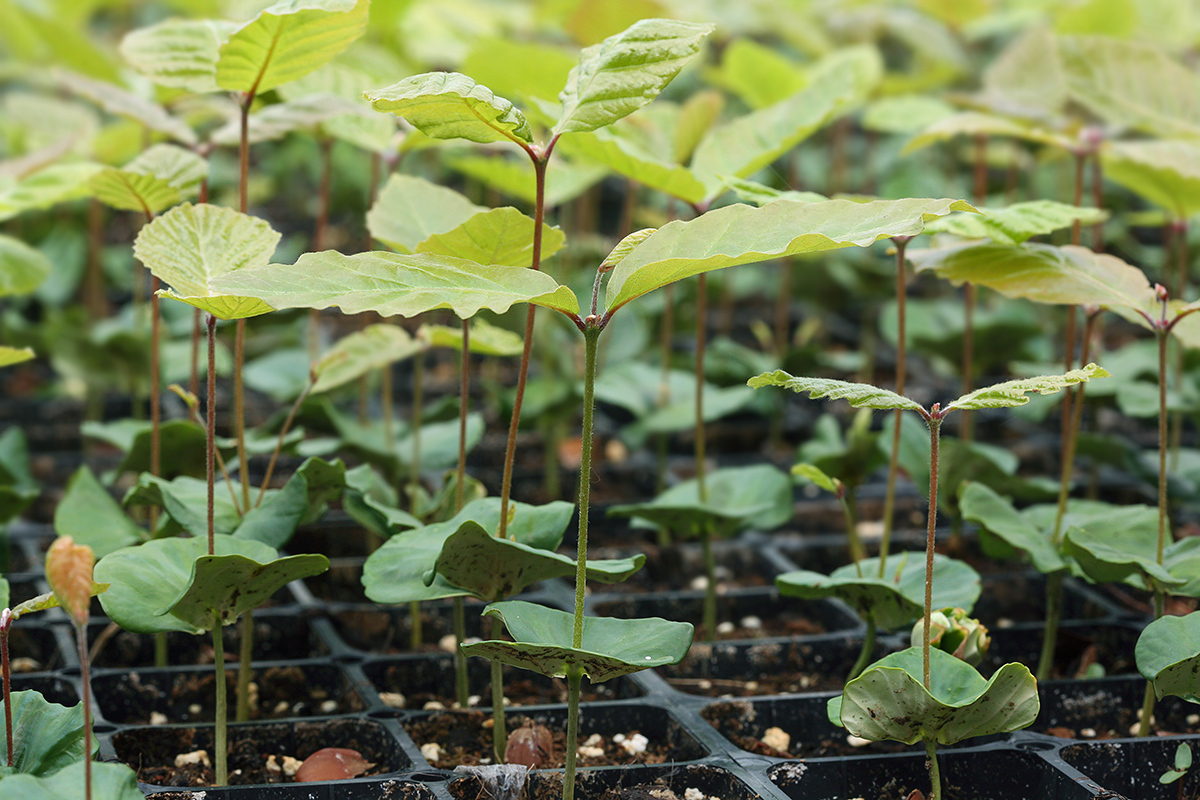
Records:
x=981, y=505
x=741, y=234
x=1067, y=275
x=611, y=647
x=859, y=395
x=14, y=355
x=1015, y=393
x=110, y=781
x=124, y=103
x=888, y=701
x=149, y=577
x=449, y=105
x=1121, y=547
x=501, y=236
x=304, y=498
x=22, y=268
x=894, y=600
x=486, y=339
x=46, y=736
x=1018, y=222
x=286, y=41
x=69, y=573
x=157, y=179
x=409, y=210
x=178, y=53
x=227, y=586
x=626, y=71
x=191, y=248
x=371, y=501
x=90, y=515
x=397, y=284
x=1168, y=654
x=360, y=352
x=1165, y=172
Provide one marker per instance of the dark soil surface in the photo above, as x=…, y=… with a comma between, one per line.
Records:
x=520, y=689
x=735, y=721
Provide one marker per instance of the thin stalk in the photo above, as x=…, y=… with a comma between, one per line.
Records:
x=462, y=689
x=210, y=447
x=387, y=399
x=417, y=412
x=574, y=684
x=239, y=409
x=194, y=361
x=1054, y=606
x=666, y=330
x=935, y=774
x=415, y=637
x=710, y=588
x=847, y=501
x=155, y=393
x=464, y=402
x=499, y=732
x=701, y=338
x=591, y=336
x=868, y=649
x=221, y=748
x=6, y=668
x=1098, y=202
x=160, y=649
x=1181, y=264
x=81, y=639
x=245, y=656
x=287, y=424
x=935, y=424
x=540, y=162
x=889, y=497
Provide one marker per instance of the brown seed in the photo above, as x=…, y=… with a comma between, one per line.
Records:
x=529, y=747
x=332, y=764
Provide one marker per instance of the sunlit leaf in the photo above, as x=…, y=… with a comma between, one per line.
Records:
x=759, y=194
x=975, y=123
x=14, y=355
x=519, y=68
x=501, y=236
x=904, y=114
x=626, y=157
x=1016, y=223
x=625, y=247
x=191, y=247
x=626, y=71
x=178, y=53
x=449, y=105
x=360, y=352
x=859, y=395
x=22, y=268
x=397, y=284
x=157, y=179
x=1165, y=172
x=288, y=40
x=1015, y=393
x=409, y=210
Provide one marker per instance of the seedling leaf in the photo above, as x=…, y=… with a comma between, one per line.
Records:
x=1168, y=654
x=1120, y=547
x=501, y=236
x=22, y=268
x=46, y=736
x=227, y=586
x=110, y=781
x=1015, y=393
x=90, y=515
x=409, y=210
x=990, y=511
x=54, y=184
x=360, y=352
x=859, y=395
x=1165, y=172
x=486, y=339
x=122, y=102
x=1016, y=223
x=181, y=54
x=14, y=355
x=611, y=647
x=157, y=179
x=449, y=105
x=625, y=72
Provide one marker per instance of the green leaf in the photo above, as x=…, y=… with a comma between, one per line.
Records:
x=1168, y=654
x=150, y=577
x=1120, y=547
x=492, y=569
x=758, y=74
x=995, y=514
x=157, y=179
x=181, y=444
x=449, y=105
x=610, y=648
x=974, y=123
x=894, y=600
x=740, y=234
x=227, y=586
x=905, y=113
x=888, y=701
x=281, y=119
x=409, y=210
x=288, y=40
x=627, y=157
x=304, y=498
x=505, y=65
x=737, y=498
x=1067, y=275
x=46, y=736
x=500, y=236
x=110, y=781
x=1014, y=393
x=626, y=71
x=124, y=103
x=55, y=184
x=22, y=268
x=1018, y=222
x=192, y=247
x=1165, y=172
x=759, y=194
x=1026, y=79
x=396, y=572
x=89, y=514
x=178, y=53
x=625, y=247
x=371, y=502
x=859, y=395
x=397, y=284
x=360, y=352
x=565, y=180
x=486, y=339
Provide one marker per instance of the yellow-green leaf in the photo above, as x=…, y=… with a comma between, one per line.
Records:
x=360, y=352
x=178, y=53
x=501, y=236
x=14, y=355
x=449, y=105
x=157, y=179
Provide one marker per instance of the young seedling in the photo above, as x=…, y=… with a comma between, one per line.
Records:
x=945, y=703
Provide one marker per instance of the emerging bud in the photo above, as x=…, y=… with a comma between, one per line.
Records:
x=1160, y=292
x=953, y=631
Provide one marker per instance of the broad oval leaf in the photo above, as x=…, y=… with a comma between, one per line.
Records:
x=859, y=395
x=288, y=40
x=1018, y=222
x=501, y=236
x=615, y=149
x=157, y=179
x=486, y=339
x=449, y=105
x=1121, y=547
x=178, y=53
x=1168, y=654
x=110, y=781
x=610, y=648
x=1165, y=172
x=740, y=234
x=69, y=573
x=888, y=701
x=397, y=284
x=894, y=600
x=625, y=72
x=409, y=210
x=995, y=514
x=22, y=268
x=46, y=736
x=222, y=588
x=149, y=577
x=1015, y=393
x=360, y=352
x=493, y=569
x=191, y=247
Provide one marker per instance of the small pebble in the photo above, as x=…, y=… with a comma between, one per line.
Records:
x=291, y=765
x=751, y=686
x=1193, y=719
x=281, y=707
x=590, y=752
x=726, y=628
x=194, y=757
x=448, y=643
x=751, y=623
x=158, y=718
x=392, y=699
x=855, y=741
x=777, y=738
x=634, y=745
x=692, y=793
x=329, y=706
x=699, y=583
x=595, y=740
x=273, y=765
x=474, y=700
x=431, y=752
x=194, y=709
x=433, y=705
x=25, y=665
x=1087, y=733
x=1004, y=622
x=704, y=684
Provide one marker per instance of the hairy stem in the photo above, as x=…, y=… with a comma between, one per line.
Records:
x=81, y=640
x=239, y=409
x=591, y=338
x=701, y=338
x=574, y=684
x=6, y=669
x=935, y=774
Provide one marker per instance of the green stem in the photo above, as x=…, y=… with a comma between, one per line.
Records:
x=857, y=553
x=1148, y=701
x=239, y=410
x=1054, y=604
x=464, y=404
x=287, y=424
x=6, y=669
x=574, y=684
x=701, y=337
x=591, y=338
x=418, y=412
x=245, y=656
x=499, y=732
x=889, y=497
x=415, y=639
x=210, y=447
x=710, y=589
x=220, y=747
x=461, y=685
x=868, y=649
x=935, y=774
